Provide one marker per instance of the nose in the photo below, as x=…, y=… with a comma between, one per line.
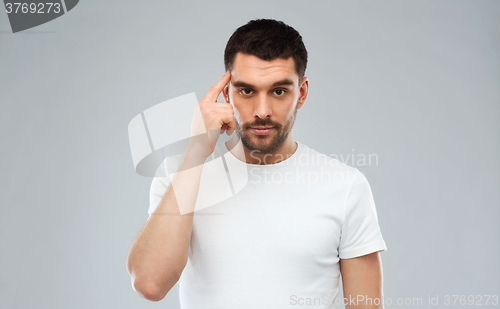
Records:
x=262, y=108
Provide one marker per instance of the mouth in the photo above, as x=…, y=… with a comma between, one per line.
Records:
x=261, y=130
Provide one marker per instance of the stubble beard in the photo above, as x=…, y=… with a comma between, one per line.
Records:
x=264, y=144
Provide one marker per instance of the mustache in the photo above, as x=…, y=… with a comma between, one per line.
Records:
x=263, y=123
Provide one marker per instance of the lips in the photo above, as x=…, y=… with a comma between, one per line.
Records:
x=261, y=130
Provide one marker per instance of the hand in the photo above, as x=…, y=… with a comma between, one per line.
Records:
x=212, y=117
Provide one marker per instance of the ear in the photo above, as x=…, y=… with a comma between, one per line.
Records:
x=303, y=91
x=225, y=93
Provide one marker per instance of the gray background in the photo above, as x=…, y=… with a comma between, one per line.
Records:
x=415, y=82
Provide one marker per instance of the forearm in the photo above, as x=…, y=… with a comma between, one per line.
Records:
x=159, y=253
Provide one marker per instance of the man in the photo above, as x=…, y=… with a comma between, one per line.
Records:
x=301, y=220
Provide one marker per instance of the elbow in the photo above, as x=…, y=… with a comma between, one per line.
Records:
x=152, y=291
x=152, y=285
x=147, y=290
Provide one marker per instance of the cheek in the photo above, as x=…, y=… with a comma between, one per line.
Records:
x=237, y=115
x=244, y=111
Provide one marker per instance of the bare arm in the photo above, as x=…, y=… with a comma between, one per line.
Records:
x=362, y=280
x=160, y=251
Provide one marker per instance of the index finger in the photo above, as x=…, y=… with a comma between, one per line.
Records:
x=216, y=89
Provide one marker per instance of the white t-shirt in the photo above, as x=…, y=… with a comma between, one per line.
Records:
x=276, y=242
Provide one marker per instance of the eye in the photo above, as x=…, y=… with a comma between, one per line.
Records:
x=282, y=91
x=245, y=91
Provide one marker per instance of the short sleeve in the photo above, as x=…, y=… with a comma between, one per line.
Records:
x=360, y=231
x=161, y=181
x=158, y=188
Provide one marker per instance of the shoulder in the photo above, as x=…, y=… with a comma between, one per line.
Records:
x=326, y=162
x=168, y=167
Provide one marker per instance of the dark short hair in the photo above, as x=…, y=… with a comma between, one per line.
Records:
x=267, y=39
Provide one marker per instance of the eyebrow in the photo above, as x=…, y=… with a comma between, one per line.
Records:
x=282, y=82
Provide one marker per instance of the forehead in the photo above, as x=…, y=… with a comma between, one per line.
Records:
x=261, y=73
